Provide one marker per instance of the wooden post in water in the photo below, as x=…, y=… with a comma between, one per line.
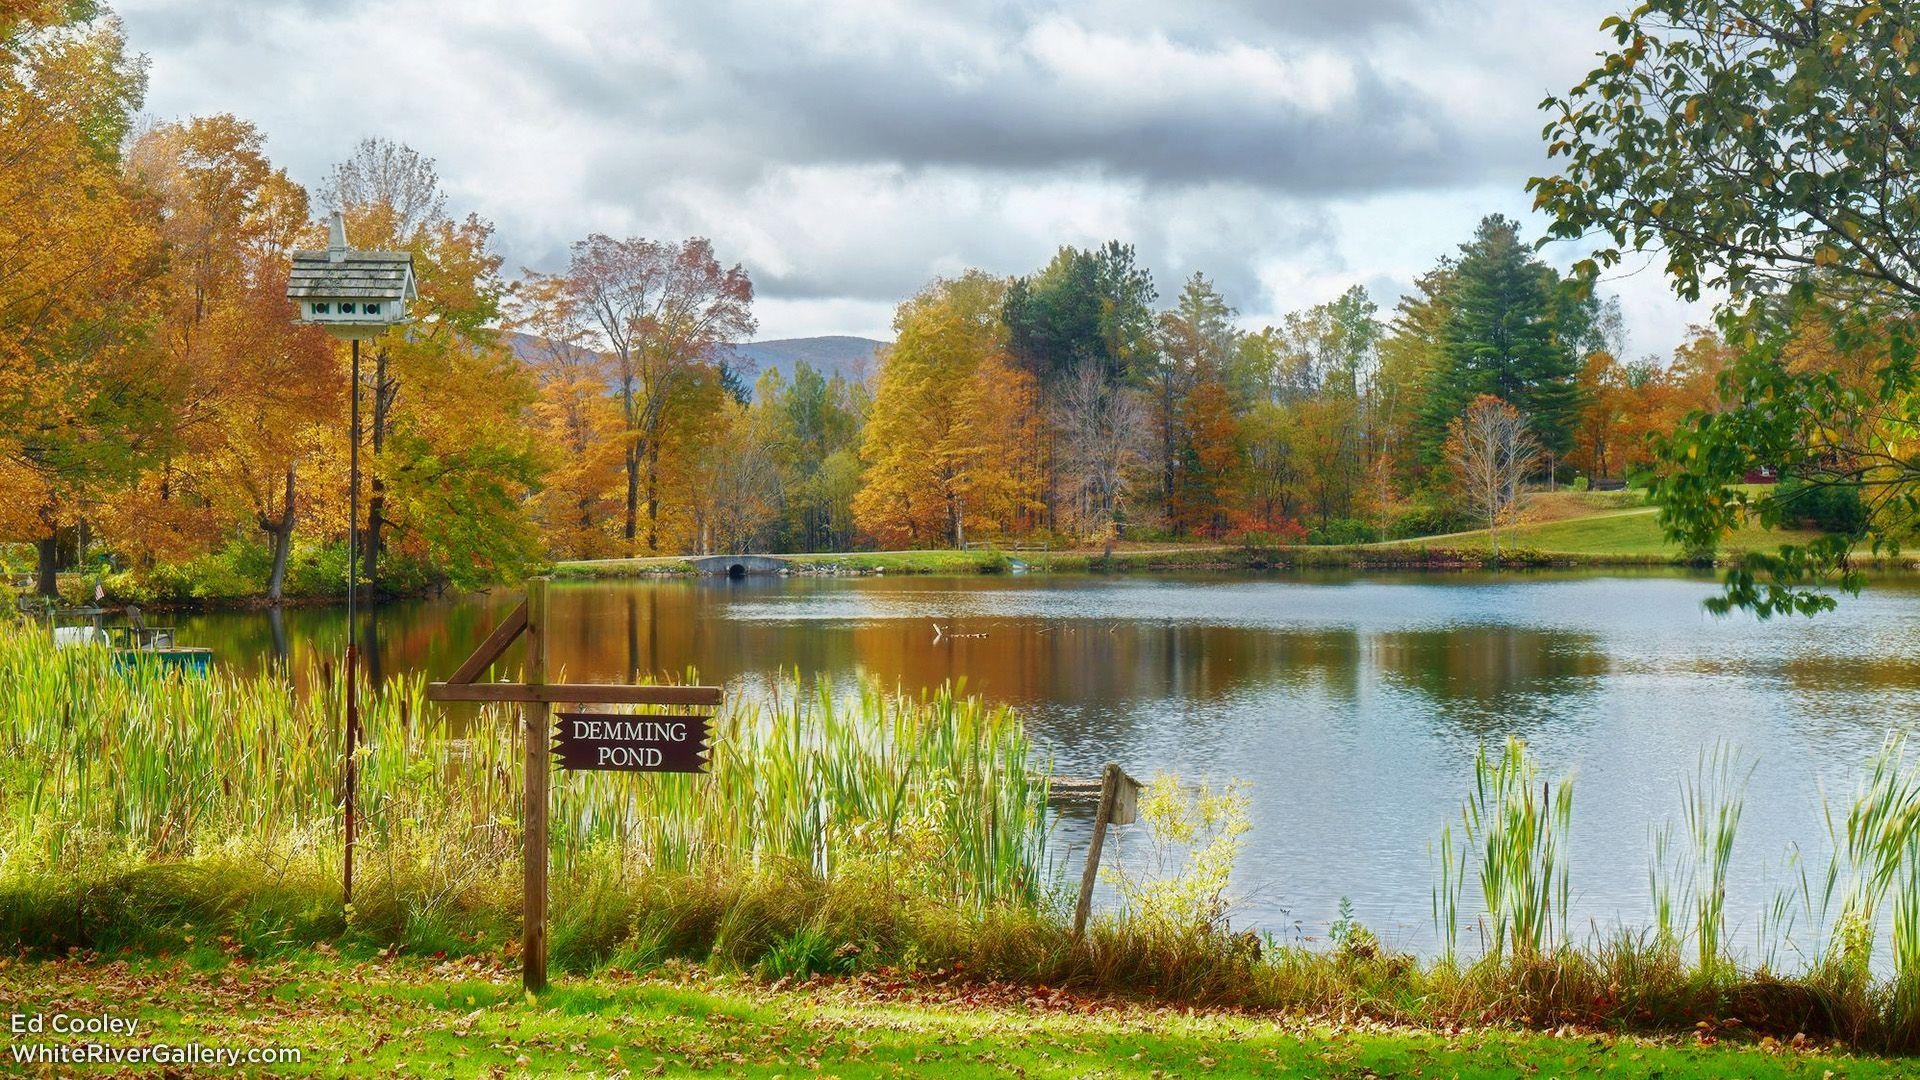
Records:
x=1109, y=790
x=533, y=934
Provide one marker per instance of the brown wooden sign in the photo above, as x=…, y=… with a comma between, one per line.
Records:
x=631, y=742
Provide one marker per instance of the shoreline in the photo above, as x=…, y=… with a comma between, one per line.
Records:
x=1402, y=556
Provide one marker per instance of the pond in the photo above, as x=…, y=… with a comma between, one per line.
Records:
x=1349, y=705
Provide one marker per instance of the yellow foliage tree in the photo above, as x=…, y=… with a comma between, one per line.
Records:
x=950, y=415
x=80, y=406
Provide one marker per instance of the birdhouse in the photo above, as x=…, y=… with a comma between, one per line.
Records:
x=354, y=294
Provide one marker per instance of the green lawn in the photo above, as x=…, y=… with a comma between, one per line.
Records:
x=468, y=1018
x=1608, y=533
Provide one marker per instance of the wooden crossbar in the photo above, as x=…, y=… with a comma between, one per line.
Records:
x=490, y=649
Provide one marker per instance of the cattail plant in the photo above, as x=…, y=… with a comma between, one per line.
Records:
x=1516, y=823
x=937, y=791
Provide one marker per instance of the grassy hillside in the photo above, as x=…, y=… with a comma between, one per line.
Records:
x=1597, y=525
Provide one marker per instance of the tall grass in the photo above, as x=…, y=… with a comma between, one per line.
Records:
x=1712, y=800
x=1875, y=873
x=1520, y=843
x=938, y=792
x=835, y=832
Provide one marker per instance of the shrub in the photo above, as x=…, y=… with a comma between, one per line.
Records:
x=1834, y=508
x=1194, y=838
x=1259, y=534
x=1343, y=531
x=1426, y=515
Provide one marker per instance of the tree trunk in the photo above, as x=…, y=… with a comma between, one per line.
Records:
x=653, y=496
x=385, y=390
x=1166, y=447
x=633, y=497
x=371, y=539
x=47, y=578
x=280, y=531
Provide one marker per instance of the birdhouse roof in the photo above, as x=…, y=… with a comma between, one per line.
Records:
x=355, y=275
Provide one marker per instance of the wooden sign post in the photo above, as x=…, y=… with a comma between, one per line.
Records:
x=663, y=743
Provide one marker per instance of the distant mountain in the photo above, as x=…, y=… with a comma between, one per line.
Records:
x=527, y=348
x=853, y=357
x=834, y=354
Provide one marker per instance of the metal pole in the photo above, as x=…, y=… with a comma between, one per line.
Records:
x=353, y=580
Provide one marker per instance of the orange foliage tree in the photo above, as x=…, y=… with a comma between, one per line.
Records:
x=665, y=312
x=576, y=422
x=452, y=460
x=251, y=390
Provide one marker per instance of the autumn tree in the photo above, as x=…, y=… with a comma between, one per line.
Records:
x=950, y=404
x=666, y=312
x=739, y=491
x=577, y=422
x=1607, y=403
x=251, y=390
x=1206, y=488
x=451, y=462
x=81, y=407
x=1272, y=471
x=1103, y=444
x=1328, y=358
x=1196, y=341
x=1489, y=452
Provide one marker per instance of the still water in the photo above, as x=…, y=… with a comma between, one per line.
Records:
x=1350, y=706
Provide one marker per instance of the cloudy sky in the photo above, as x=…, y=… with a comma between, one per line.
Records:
x=847, y=152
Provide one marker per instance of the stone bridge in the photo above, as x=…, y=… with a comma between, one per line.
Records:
x=737, y=566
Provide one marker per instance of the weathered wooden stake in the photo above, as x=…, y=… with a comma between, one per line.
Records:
x=1109, y=790
x=537, y=728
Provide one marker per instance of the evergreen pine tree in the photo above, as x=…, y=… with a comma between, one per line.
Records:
x=1503, y=337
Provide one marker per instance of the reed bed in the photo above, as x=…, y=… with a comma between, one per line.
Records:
x=113, y=766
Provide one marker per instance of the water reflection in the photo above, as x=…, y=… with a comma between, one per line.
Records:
x=1492, y=681
x=1350, y=704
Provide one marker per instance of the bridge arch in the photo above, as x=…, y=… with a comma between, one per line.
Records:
x=737, y=566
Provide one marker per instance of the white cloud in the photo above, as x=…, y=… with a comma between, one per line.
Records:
x=846, y=152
